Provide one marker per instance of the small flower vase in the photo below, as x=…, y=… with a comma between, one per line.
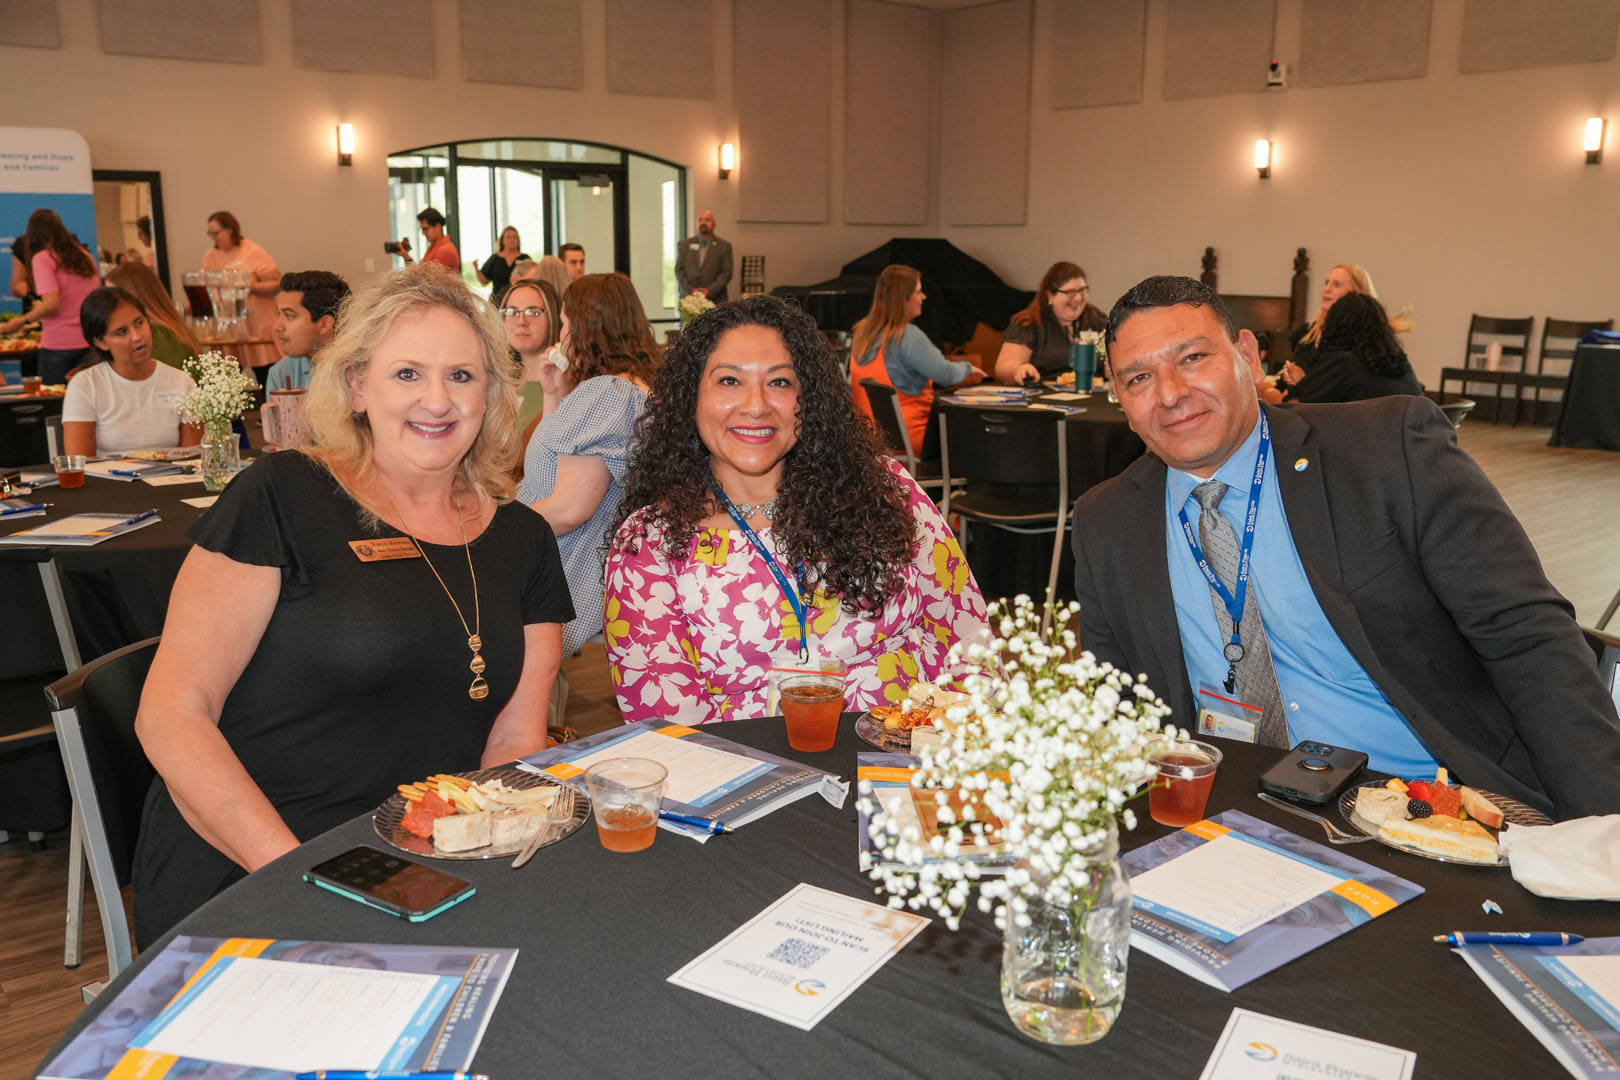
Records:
x=221, y=454
x=1063, y=968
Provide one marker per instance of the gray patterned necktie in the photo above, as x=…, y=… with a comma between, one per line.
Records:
x=1256, y=680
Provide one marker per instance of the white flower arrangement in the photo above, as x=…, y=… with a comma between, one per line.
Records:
x=1050, y=742
x=692, y=305
x=223, y=390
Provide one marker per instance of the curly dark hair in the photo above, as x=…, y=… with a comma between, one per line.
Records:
x=839, y=508
x=1357, y=323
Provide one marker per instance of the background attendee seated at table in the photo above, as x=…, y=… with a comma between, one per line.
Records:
x=497, y=269
x=532, y=317
x=573, y=471
x=547, y=268
x=573, y=257
x=1036, y=345
x=1395, y=605
x=128, y=402
x=1343, y=279
x=1357, y=357
x=888, y=348
x=63, y=274
x=299, y=680
x=306, y=318
x=751, y=415
x=173, y=343
x=233, y=251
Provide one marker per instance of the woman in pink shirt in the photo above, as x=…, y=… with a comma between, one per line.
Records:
x=231, y=251
x=64, y=274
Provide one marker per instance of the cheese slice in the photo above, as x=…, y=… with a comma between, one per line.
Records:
x=1452, y=838
x=1378, y=804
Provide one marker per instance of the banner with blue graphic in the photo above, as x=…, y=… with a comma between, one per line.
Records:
x=43, y=167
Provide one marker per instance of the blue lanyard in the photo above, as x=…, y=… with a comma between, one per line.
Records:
x=1234, y=600
x=795, y=597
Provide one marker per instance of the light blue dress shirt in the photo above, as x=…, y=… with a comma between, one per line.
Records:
x=296, y=368
x=1327, y=695
x=912, y=360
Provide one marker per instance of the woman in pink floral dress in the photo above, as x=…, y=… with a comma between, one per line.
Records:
x=751, y=423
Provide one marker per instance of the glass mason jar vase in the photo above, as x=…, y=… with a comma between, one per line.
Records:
x=221, y=454
x=1063, y=968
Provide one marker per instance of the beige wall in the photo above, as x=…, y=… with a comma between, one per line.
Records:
x=1460, y=193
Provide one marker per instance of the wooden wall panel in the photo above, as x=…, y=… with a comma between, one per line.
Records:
x=782, y=69
x=1358, y=41
x=35, y=23
x=371, y=37
x=1217, y=47
x=984, y=167
x=221, y=30
x=890, y=52
x=1097, y=50
x=535, y=43
x=1502, y=34
x=662, y=48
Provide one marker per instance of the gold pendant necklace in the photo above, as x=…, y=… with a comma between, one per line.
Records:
x=479, y=690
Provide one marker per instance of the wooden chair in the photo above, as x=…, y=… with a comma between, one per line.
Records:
x=1558, y=338
x=1514, y=337
x=1268, y=318
x=752, y=281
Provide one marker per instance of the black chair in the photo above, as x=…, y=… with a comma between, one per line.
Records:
x=752, y=281
x=1558, y=340
x=1455, y=409
x=999, y=454
x=891, y=422
x=93, y=710
x=22, y=431
x=1513, y=335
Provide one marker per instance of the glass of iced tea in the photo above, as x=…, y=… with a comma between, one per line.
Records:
x=69, y=470
x=626, y=794
x=811, y=705
x=1179, y=793
x=32, y=384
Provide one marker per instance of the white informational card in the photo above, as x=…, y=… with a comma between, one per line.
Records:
x=274, y=1014
x=1230, y=886
x=695, y=770
x=201, y=502
x=801, y=957
x=173, y=478
x=1255, y=1046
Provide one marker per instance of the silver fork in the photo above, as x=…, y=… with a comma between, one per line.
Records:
x=561, y=812
x=1335, y=834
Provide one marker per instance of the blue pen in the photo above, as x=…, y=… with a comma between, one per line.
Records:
x=696, y=822
x=361, y=1074
x=141, y=517
x=1491, y=937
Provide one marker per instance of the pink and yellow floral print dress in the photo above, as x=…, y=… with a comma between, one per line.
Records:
x=692, y=640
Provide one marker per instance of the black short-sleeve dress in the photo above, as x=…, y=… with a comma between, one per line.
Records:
x=360, y=680
x=1048, y=343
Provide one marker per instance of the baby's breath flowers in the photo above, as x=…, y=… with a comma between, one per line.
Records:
x=1051, y=742
x=692, y=305
x=224, y=389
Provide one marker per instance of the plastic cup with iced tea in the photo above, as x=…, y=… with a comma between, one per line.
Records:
x=1179, y=793
x=626, y=794
x=811, y=705
x=69, y=470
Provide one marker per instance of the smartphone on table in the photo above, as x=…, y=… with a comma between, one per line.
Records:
x=390, y=882
x=1313, y=772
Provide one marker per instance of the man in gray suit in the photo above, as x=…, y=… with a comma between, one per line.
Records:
x=703, y=265
x=1374, y=590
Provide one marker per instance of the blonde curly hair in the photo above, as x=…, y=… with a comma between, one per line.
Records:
x=343, y=439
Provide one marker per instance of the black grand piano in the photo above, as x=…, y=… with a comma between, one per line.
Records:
x=962, y=291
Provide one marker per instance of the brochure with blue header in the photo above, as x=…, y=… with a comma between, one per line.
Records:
x=1567, y=996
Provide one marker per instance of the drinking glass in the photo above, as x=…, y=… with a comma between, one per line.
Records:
x=69, y=470
x=1179, y=792
x=626, y=794
x=812, y=701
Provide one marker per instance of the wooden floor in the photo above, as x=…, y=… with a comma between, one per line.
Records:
x=1568, y=500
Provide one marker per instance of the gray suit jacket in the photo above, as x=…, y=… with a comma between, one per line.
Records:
x=1425, y=574
x=711, y=272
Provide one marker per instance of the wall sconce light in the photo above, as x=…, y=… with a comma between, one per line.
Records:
x=345, y=143
x=1262, y=158
x=728, y=159
x=1593, y=144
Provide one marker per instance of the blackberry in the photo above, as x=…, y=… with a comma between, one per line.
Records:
x=1418, y=808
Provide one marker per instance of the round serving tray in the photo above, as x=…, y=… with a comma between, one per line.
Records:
x=387, y=817
x=1513, y=812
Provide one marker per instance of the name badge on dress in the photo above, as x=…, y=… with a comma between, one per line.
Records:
x=383, y=548
x=1224, y=715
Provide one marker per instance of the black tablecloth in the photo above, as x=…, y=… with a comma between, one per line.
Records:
x=1589, y=415
x=599, y=934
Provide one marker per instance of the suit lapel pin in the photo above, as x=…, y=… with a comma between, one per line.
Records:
x=1302, y=464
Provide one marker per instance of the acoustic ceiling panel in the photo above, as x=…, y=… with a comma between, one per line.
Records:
x=372, y=37
x=782, y=69
x=30, y=22
x=1358, y=41
x=535, y=43
x=662, y=48
x=1502, y=34
x=226, y=31
x=985, y=128
x=889, y=55
x=1217, y=47
x=1097, y=52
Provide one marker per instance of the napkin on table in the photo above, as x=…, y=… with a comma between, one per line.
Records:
x=1572, y=860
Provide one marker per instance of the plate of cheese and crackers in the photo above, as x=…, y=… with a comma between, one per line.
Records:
x=1436, y=819
x=906, y=727
x=485, y=814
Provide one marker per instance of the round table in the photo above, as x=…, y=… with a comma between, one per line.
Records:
x=599, y=934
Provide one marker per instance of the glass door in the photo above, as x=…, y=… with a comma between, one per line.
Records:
x=584, y=210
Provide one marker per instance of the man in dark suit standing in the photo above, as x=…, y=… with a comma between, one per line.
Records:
x=703, y=265
x=1373, y=589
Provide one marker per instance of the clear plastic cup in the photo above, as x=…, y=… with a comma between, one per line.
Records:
x=626, y=794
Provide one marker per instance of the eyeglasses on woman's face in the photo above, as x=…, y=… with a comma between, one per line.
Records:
x=1074, y=293
x=530, y=313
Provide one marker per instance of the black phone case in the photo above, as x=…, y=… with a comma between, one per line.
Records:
x=1313, y=772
